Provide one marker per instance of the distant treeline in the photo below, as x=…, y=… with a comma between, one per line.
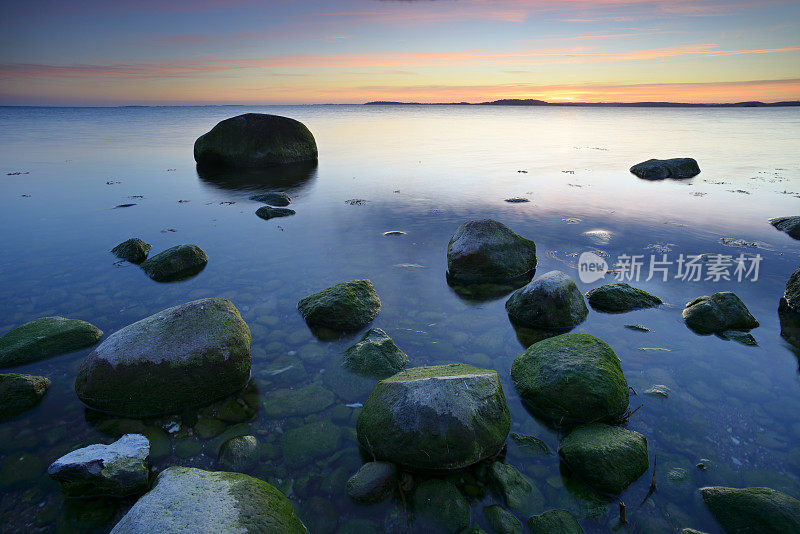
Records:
x=533, y=102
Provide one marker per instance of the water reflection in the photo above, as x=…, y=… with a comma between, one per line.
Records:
x=292, y=179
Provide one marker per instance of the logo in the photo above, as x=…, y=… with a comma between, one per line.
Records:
x=591, y=267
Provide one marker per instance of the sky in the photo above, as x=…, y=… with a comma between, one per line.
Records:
x=152, y=52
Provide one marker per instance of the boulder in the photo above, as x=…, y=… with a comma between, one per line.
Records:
x=519, y=494
x=790, y=323
x=608, y=458
x=20, y=392
x=790, y=225
x=485, y=251
x=374, y=482
x=133, y=250
x=551, y=300
x=442, y=417
x=717, y=313
x=571, y=377
x=268, y=212
x=761, y=510
x=255, y=140
x=440, y=508
x=792, y=295
x=185, y=499
x=116, y=470
x=621, y=297
x=344, y=306
x=554, y=522
x=658, y=169
x=176, y=263
x=501, y=521
x=274, y=198
x=184, y=356
x=375, y=356
x=239, y=454
x=45, y=337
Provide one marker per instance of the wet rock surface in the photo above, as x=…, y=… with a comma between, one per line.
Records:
x=46, y=337
x=551, y=301
x=789, y=225
x=176, y=263
x=718, y=313
x=133, y=250
x=621, y=297
x=19, y=393
x=375, y=356
x=344, y=306
x=753, y=509
x=659, y=169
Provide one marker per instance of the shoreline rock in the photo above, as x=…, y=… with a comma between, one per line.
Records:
x=374, y=482
x=273, y=198
x=753, y=509
x=268, y=212
x=19, y=393
x=345, y=306
x=659, y=169
x=46, y=337
x=176, y=263
x=375, y=356
x=551, y=301
x=621, y=297
x=789, y=225
x=133, y=250
x=718, y=313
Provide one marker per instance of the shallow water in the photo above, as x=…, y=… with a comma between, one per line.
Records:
x=424, y=171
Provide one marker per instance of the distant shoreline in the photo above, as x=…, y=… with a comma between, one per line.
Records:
x=533, y=103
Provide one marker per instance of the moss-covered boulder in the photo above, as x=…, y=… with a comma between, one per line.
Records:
x=744, y=510
x=571, y=377
x=621, y=297
x=117, y=469
x=440, y=508
x=255, y=140
x=273, y=198
x=176, y=263
x=309, y=442
x=792, y=295
x=344, y=306
x=790, y=322
x=717, y=313
x=375, y=356
x=484, y=251
x=46, y=337
x=297, y=402
x=20, y=392
x=608, y=458
x=554, y=522
x=185, y=499
x=551, y=300
x=184, y=356
x=441, y=417
x=268, y=212
x=501, y=521
x=518, y=493
x=374, y=482
x=240, y=453
x=790, y=225
x=133, y=250
x=658, y=169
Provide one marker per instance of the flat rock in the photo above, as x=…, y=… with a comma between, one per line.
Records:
x=555, y=522
x=176, y=263
x=184, y=356
x=374, y=482
x=45, y=337
x=268, y=212
x=274, y=198
x=762, y=510
x=375, y=356
x=551, y=300
x=344, y=306
x=790, y=225
x=658, y=169
x=621, y=297
x=717, y=313
x=133, y=250
x=19, y=393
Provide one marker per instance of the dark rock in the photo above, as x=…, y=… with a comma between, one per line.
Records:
x=344, y=306
x=740, y=337
x=517, y=492
x=268, y=212
x=501, y=521
x=440, y=508
x=275, y=198
x=658, y=169
x=133, y=250
x=308, y=442
x=551, y=300
x=517, y=200
x=45, y=337
x=375, y=356
x=717, y=313
x=530, y=444
x=176, y=263
x=621, y=297
x=762, y=510
x=19, y=393
x=790, y=323
x=374, y=482
x=297, y=402
x=239, y=454
x=554, y=522
x=790, y=225
x=792, y=295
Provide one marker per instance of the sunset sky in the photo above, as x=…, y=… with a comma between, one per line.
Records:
x=84, y=52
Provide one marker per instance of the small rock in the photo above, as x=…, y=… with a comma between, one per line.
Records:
x=355, y=202
x=394, y=232
x=374, y=482
x=658, y=390
x=745, y=338
x=531, y=444
x=637, y=327
x=790, y=225
x=268, y=212
x=344, y=306
x=176, y=263
x=621, y=297
x=501, y=521
x=239, y=454
x=551, y=300
x=518, y=493
x=517, y=200
x=761, y=510
x=375, y=356
x=658, y=169
x=440, y=507
x=555, y=522
x=308, y=442
x=45, y=337
x=19, y=393
x=133, y=250
x=297, y=402
x=717, y=313
x=275, y=198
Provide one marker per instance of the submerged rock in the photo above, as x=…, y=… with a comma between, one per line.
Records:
x=530, y=444
x=441, y=417
x=658, y=390
x=344, y=306
x=297, y=402
x=738, y=336
x=519, y=494
x=117, y=470
x=573, y=377
x=551, y=300
x=608, y=458
x=239, y=454
x=484, y=251
x=621, y=297
x=554, y=521
x=790, y=225
x=440, y=507
x=133, y=250
x=761, y=510
x=790, y=323
x=185, y=499
x=501, y=521
x=308, y=442
x=375, y=355
x=268, y=212
x=20, y=392
x=45, y=337
x=255, y=140
x=717, y=313
x=274, y=198
x=183, y=356
x=374, y=482
x=176, y=263
x=658, y=169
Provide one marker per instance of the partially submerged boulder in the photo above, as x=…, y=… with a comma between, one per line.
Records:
x=442, y=417
x=440, y=508
x=571, y=377
x=792, y=294
x=519, y=494
x=184, y=356
x=762, y=510
x=185, y=499
x=116, y=470
x=375, y=356
x=268, y=212
x=717, y=313
x=45, y=337
x=133, y=250
x=551, y=300
x=554, y=521
x=790, y=225
x=344, y=306
x=621, y=297
x=658, y=169
x=176, y=263
x=374, y=482
x=608, y=458
x=20, y=392
x=790, y=323
x=239, y=453
x=483, y=251
x=273, y=198
x=255, y=140
x=309, y=442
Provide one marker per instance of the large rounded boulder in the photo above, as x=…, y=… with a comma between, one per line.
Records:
x=753, y=509
x=572, y=377
x=442, y=417
x=551, y=301
x=344, y=306
x=718, y=313
x=487, y=251
x=183, y=356
x=255, y=140
x=176, y=263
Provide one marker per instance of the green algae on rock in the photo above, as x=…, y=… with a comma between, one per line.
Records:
x=717, y=313
x=621, y=297
x=762, y=510
x=133, y=250
x=297, y=402
x=439, y=507
x=608, y=458
x=501, y=521
x=375, y=356
x=176, y=263
x=658, y=169
x=45, y=337
x=518, y=493
x=184, y=356
x=554, y=522
x=551, y=300
x=193, y=500
x=308, y=442
x=239, y=454
x=571, y=377
x=344, y=306
x=19, y=393
x=442, y=417
x=374, y=482
x=255, y=140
